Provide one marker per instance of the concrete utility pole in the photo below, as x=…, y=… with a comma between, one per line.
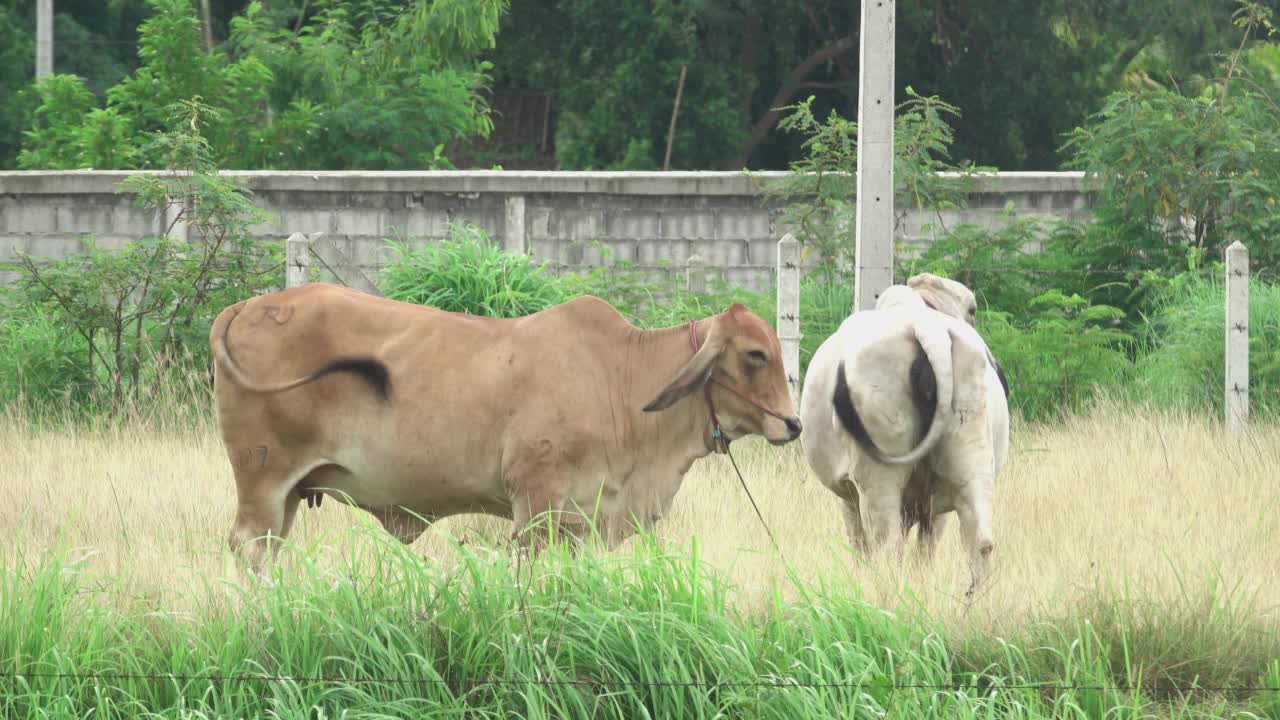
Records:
x=44, y=39
x=873, y=230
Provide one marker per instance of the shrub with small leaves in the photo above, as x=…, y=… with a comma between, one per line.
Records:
x=143, y=311
x=468, y=273
x=1058, y=353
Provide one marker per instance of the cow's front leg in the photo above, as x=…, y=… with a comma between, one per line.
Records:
x=539, y=523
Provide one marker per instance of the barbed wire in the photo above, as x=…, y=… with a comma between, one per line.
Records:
x=472, y=681
x=106, y=386
x=1071, y=271
x=61, y=42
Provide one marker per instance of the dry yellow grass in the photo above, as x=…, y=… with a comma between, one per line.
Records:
x=1164, y=506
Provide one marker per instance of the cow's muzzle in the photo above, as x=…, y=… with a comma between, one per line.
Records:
x=793, y=431
x=794, y=427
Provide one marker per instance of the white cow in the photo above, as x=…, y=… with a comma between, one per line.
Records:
x=906, y=418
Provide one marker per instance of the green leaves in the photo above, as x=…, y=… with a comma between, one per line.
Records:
x=1179, y=172
x=386, y=87
x=1057, y=353
x=819, y=189
x=467, y=273
x=56, y=141
x=140, y=312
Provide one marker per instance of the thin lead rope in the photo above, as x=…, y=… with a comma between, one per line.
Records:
x=755, y=507
x=722, y=444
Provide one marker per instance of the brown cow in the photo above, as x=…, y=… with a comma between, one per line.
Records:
x=415, y=414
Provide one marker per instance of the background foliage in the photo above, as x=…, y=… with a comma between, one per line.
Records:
x=1124, y=305
x=381, y=86
x=419, y=71
x=128, y=318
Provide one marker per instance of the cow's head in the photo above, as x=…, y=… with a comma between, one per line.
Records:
x=741, y=356
x=946, y=296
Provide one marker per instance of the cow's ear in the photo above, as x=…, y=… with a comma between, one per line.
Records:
x=693, y=375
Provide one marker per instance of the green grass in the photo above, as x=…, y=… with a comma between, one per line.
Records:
x=1181, y=361
x=646, y=634
x=467, y=273
x=42, y=362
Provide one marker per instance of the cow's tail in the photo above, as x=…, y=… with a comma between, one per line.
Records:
x=931, y=381
x=374, y=371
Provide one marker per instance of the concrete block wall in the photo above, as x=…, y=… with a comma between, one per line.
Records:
x=655, y=220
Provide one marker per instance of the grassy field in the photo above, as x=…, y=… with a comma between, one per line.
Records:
x=1131, y=550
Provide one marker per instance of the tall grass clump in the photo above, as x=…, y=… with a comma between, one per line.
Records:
x=42, y=363
x=1182, y=360
x=825, y=302
x=650, y=634
x=470, y=273
x=467, y=273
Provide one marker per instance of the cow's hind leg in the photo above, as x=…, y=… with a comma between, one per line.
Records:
x=930, y=531
x=881, y=487
x=969, y=490
x=851, y=511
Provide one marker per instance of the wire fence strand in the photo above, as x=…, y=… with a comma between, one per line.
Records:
x=471, y=681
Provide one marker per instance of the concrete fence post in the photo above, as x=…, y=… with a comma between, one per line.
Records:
x=789, y=311
x=695, y=274
x=515, y=238
x=1237, y=338
x=297, y=260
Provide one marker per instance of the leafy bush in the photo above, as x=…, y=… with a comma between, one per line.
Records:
x=144, y=310
x=1056, y=347
x=1183, y=358
x=386, y=85
x=653, y=300
x=1181, y=176
x=1009, y=264
x=41, y=363
x=819, y=189
x=468, y=273
x=1057, y=353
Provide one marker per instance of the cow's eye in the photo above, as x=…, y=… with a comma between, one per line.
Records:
x=757, y=357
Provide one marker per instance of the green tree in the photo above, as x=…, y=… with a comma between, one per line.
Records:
x=1023, y=72
x=1183, y=172
x=384, y=86
x=17, y=48
x=377, y=84
x=614, y=68
x=93, y=39
x=143, y=312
